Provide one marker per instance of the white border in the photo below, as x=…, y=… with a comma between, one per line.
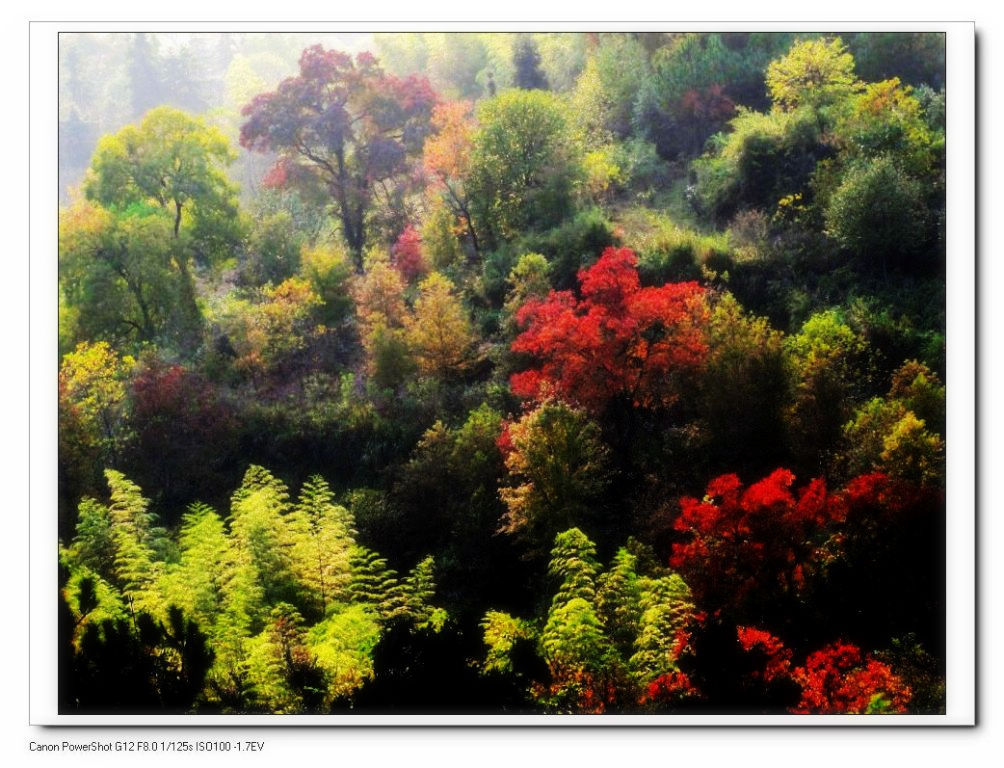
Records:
x=960, y=89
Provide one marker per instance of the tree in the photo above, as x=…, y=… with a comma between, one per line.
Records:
x=438, y=332
x=692, y=84
x=814, y=73
x=270, y=329
x=611, y=641
x=407, y=254
x=745, y=365
x=259, y=528
x=382, y=312
x=119, y=275
x=747, y=549
x=92, y=389
x=322, y=540
x=763, y=158
x=137, y=540
x=185, y=433
x=839, y=679
x=273, y=251
x=878, y=213
x=526, y=60
x=172, y=159
x=891, y=434
x=145, y=87
x=329, y=270
x=606, y=91
x=827, y=360
x=343, y=125
x=618, y=341
x=523, y=165
x=195, y=582
x=886, y=118
x=580, y=656
x=559, y=469
x=447, y=158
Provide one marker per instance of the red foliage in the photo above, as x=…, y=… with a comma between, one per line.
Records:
x=839, y=679
x=504, y=440
x=758, y=541
x=778, y=657
x=711, y=104
x=671, y=688
x=617, y=340
x=836, y=680
x=407, y=253
x=182, y=429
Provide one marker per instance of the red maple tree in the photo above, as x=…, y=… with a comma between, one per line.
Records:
x=760, y=540
x=617, y=340
x=840, y=679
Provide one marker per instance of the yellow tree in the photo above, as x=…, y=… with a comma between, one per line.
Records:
x=380, y=308
x=813, y=73
x=92, y=391
x=439, y=331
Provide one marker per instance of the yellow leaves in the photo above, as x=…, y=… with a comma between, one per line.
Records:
x=438, y=331
x=813, y=72
x=379, y=296
x=912, y=452
x=280, y=323
x=603, y=174
x=92, y=379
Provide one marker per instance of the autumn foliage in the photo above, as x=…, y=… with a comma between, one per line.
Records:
x=837, y=679
x=840, y=679
x=763, y=539
x=618, y=340
x=407, y=253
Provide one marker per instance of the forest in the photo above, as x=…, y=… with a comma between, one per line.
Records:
x=501, y=373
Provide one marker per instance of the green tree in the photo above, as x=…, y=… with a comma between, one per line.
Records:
x=878, y=213
x=119, y=276
x=559, y=469
x=172, y=159
x=139, y=544
x=606, y=91
x=195, y=582
x=829, y=365
x=745, y=365
x=523, y=165
x=323, y=538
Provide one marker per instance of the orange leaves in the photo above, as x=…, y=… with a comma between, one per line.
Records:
x=618, y=340
x=447, y=152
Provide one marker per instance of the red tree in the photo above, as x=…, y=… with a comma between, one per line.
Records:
x=184, y=432
x=407, y=253
x=840, y=679
x=778, y=658
x=617, y=340
x=755, y=542
x=836, y=680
